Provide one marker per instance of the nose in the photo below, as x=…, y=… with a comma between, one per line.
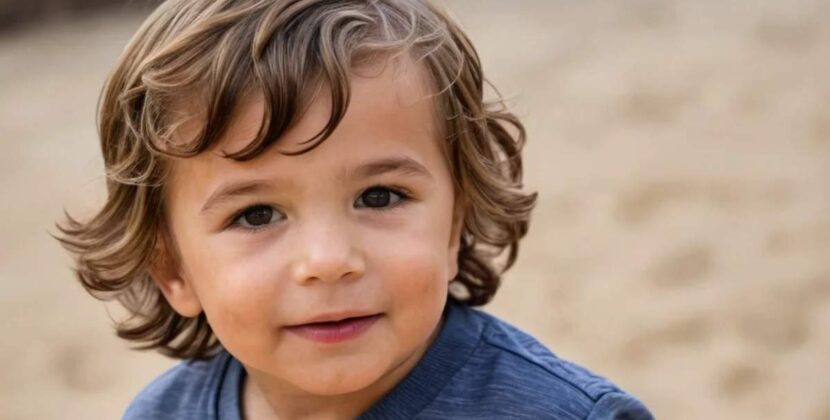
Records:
x=326, y=252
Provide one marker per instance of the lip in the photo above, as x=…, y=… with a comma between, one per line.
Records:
x=334, y=328
x=335, y=316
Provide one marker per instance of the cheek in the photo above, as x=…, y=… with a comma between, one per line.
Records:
x=421, y=252
x=413, y=268
x=237, y=291
x=415, y=285
x=240, y=265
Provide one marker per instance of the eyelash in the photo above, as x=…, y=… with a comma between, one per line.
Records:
x=404, y=195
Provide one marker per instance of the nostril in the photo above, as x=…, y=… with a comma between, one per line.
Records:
x=311, y=272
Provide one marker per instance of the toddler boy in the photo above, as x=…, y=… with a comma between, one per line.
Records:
x=306, y=198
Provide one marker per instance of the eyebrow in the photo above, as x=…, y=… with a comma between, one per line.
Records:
x=403, y=165
x=232, y=190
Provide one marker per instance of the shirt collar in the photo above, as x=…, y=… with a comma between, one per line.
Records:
x=459, y=336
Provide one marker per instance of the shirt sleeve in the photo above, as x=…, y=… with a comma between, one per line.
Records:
x=619, y=406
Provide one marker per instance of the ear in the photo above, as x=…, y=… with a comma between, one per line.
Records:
x=165, y=270
x=455, y=236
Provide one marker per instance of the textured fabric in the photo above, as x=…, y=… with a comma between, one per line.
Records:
x=478, y=367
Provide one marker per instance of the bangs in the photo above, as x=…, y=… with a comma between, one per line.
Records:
x=285, y=54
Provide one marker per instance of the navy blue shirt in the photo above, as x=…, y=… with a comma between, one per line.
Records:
x=477, y=367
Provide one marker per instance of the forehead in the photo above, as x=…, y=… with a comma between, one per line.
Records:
x=391, y=112
x=395, y=90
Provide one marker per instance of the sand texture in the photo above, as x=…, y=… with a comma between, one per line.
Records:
x=681, y=151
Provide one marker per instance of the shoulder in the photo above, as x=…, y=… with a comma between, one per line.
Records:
x=187, y=390
x=516, y=376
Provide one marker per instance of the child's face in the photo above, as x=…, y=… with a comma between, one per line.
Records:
x=283, y=240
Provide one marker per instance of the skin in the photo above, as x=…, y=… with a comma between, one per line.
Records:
x=323, y=249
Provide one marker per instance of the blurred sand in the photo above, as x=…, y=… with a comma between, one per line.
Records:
x=681, y=151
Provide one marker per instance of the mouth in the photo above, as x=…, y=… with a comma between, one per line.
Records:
x=334, y=331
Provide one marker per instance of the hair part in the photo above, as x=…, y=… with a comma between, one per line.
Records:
x=217, y=53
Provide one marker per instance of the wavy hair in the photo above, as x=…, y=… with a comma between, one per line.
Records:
x=220, y=51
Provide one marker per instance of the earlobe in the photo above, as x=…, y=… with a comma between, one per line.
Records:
x=165, y=270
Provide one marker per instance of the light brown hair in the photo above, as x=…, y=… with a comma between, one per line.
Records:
x=220, y=51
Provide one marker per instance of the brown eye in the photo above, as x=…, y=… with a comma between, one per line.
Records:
x=257, y=216
x=378, y=197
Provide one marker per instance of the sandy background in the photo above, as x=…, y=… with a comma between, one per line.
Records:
x=681, y=150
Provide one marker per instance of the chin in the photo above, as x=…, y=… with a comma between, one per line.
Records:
x=330, y=380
